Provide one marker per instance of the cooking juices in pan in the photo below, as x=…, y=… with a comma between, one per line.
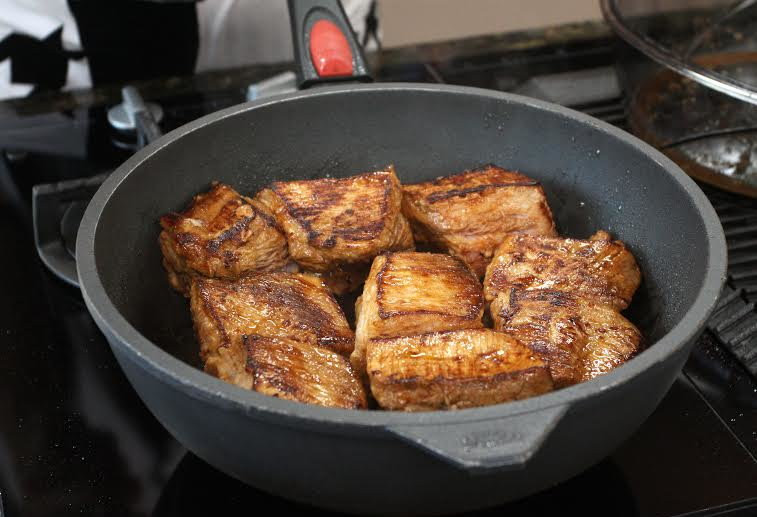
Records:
x=262, y=273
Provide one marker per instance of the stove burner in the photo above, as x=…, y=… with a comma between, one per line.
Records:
x=121, y=119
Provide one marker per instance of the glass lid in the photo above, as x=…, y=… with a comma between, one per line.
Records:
x=713, y=42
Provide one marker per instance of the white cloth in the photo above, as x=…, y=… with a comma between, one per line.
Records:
x=39, y=19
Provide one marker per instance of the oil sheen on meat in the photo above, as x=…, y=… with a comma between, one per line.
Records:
x=419, y=342
x=599, y=268
x=296, y=370
x=469, y=214
x=579, y=338
x=411, y=293
x=453, y=370
x=333, y=225
x=283, y=307
x=220, y=235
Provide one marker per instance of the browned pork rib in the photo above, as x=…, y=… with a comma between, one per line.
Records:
x=333, y=225
x=301, y=371
x=599, y=268
x=579, y=338
x=469, y=214
x=273, y=305
x=452, y=370
x=410, y=293
x=221, y=234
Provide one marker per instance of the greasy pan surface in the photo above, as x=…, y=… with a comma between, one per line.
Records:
x=595, y=176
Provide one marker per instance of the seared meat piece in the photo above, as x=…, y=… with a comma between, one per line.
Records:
x=282, y=305
x=561, y=297
x=410, y=293
x=577, y=337
x=302, y=371
x=333, y=222
x=469, y=214
x=598, y=268
x=453, y=369
x=221, y=235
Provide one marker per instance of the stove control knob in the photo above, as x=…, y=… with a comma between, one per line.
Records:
x=134, y=114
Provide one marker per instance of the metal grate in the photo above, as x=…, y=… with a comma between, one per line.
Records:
x=739, y=217
x=735, y=319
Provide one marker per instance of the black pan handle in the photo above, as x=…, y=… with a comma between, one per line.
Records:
x=485, y=445
x=325, y=47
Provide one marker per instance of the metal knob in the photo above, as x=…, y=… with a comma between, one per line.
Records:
x=134, y=114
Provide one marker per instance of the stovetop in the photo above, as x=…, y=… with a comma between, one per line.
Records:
x=75, y=438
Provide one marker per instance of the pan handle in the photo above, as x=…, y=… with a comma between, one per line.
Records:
x=485, y=445
x=325, y=47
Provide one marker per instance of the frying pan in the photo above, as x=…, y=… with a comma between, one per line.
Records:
x=380, y=462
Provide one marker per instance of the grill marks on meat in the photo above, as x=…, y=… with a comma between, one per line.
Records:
x=221, y=234
x=290, y=369
x=417, y=284
x=469, y=214
x=294, y=312
x=562, y=297
x=420, y=343
x=274, y=304
x=599, y=268
x=579, y=338
x=453, y=370
x=411, y=293
x=333, y=224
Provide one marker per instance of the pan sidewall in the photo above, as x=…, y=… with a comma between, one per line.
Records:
x=377, y=474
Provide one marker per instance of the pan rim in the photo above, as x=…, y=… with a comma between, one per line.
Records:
x=200, y=385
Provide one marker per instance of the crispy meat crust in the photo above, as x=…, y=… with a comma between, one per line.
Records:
x=453, y=369
x=599, y=268
x=331, y=222
x=469, y=214
x=579, y=338
x=419, y=341
x=221, y=234
x=409, y=293
x=302, y=371
x=285, y=305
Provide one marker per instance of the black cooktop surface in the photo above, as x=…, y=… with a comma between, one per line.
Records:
x=76, y=439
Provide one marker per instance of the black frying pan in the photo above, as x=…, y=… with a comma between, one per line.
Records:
x=596, y=177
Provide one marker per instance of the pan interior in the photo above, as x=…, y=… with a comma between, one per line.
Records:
x=593, y=181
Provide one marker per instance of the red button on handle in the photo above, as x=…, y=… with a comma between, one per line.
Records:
x=329, y=50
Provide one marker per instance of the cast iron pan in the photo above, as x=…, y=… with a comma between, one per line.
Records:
x=379, y=462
